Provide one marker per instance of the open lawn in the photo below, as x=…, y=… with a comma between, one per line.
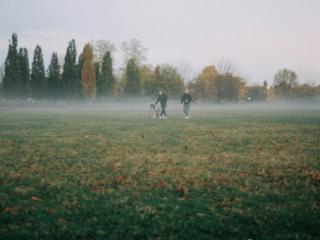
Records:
x=227, y=173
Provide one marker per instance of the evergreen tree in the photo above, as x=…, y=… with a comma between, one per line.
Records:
x=106, y=80
x=88, y=74
x=132, y=86
x=54, y=81
x=98, y=76
x=1, y=80
x=24, y=72
x=80, y=63
x=70, y=75
x=12, y=80
x=38, y=79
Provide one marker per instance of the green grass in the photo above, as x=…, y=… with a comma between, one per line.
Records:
x=100, y=175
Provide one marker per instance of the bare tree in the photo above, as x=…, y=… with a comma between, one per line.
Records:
x=285, y=76
x=285, y=81
x=225, y=66
x=186, y=71
x=100, y=48
x=134, y=50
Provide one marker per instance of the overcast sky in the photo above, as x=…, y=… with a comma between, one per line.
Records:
x=258, y=36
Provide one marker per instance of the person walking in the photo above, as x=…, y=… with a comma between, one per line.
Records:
x=186, y=100
x=162, y=98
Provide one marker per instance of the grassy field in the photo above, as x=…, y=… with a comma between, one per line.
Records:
x=224, y=174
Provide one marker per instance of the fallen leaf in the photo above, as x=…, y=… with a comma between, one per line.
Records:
x=315, y=175
x=119, y=179
x=223, y=179
x=34, y=198
x=13, y=211
x=182, y=191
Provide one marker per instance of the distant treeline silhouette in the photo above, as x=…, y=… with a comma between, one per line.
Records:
x=91, y=75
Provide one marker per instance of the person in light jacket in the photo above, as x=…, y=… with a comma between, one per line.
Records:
x=186, y=100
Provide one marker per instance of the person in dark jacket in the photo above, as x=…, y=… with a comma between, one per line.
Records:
x=162, y=98
x=186, y=100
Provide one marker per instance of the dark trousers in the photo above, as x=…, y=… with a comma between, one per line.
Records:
x=163, y=110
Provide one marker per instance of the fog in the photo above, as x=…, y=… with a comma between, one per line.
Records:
x=142, y=106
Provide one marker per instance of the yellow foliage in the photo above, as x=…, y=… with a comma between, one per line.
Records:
x=88, y=74
x=207, y=81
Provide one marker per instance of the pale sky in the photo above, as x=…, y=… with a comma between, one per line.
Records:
x=258, y=36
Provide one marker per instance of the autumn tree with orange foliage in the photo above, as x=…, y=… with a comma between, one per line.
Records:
x=88, y=74
x=206, y=83
x=214, y=85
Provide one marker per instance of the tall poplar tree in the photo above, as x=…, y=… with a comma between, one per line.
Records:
x=97, y=67
x=38, y=79
x=132, y=87
x=24, y=68
x=12, y=79
x=88, y=74
x=54, y=89
x=106, y=80
x=70, y=75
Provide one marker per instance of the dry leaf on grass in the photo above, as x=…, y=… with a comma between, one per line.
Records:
x=34, y=198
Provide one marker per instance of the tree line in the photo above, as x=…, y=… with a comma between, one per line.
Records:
x=90, y=75
x=219, y=86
